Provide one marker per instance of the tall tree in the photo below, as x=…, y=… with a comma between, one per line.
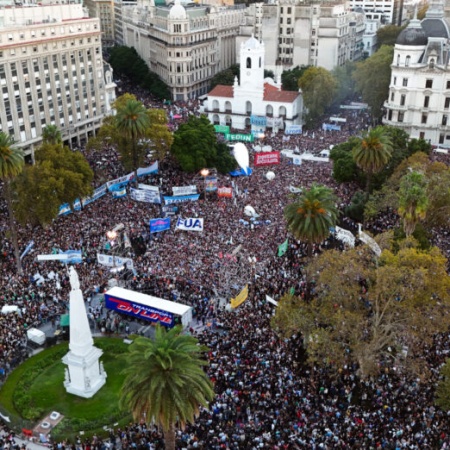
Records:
x=413, y=200
x=133, y=121
x=289, y=78
x=373, y=308
x=318, y=87
x=51, y=135
x=59, y=176
x=372, y=152
x=312, y=215
x=372, y=78
x=165, y=381
x=195, y=145
x=388, y=34
x=11, y=165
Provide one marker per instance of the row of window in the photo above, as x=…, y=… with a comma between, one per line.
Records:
x=423, y=119
x=426, y=100
x=428, y=83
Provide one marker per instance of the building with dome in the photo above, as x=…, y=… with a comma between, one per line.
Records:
x=253, y=102
x=419, y=92
x=185, y=44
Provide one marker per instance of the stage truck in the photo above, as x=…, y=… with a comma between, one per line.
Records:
x=147, y=307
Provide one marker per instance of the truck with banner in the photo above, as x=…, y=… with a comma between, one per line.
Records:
x=147, y=307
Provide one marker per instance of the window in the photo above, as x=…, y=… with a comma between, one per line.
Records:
x=422, y=135
x=426, y=101
x=441, y=139
x=444, y=119
x=424, y=118
x=402, y=100
x=392, y=96
x=407, y=61
x=405, y=82
x=448, y=84
x=428, y=84
x=395, y=81
x=447, y=103
x=401, y=116
x=249, y=63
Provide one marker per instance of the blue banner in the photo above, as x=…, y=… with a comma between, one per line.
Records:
x=142, y=171
x=158, y=225
x=241, y=172
x=181, y=199
x=331, y=127
x=99, y=192
x=258, y=120
x=73, y=256
x=64, y=209
x=293, y=129
x=27, y=249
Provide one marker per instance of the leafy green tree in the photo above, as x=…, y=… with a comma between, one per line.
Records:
x=51, y=135
x=318, y=87
x=195, y=147
x=165, y=382
x=371, y=309
x=289, y=78
x=356, y=208
x=372, y=78
x=413, y=200
x=312, y=215
x=373, y=152
x=225, y=77
x=344, y=166
x=11, y=165
x=133, y=121
x=59, y=176
x=269, y=74
x=388, y=35
x=443, y=387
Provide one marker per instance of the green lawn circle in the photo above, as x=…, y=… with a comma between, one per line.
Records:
x=47, y=393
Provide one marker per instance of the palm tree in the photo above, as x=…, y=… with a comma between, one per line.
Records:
x=413, y=200
x=51, y=135
x=11, y=164
x=133, y=121
x=372, y=152
x=165, y=381
x=312, y=215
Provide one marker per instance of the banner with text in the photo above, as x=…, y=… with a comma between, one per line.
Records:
x=211, y=184
x=158, y=225
x=293, y=129
x=184, y=190
x=181, y=199
x=114, y=261
x=222, y=129
x=189, y=224
x=225, y=192
x=144, y=195
x=267, y=158
x=239, y=137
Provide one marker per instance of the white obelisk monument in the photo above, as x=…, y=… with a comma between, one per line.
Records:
x=84, y=375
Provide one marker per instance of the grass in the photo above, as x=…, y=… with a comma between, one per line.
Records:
x=47, y=390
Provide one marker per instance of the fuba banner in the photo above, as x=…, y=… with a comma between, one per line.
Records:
x=267, y=159
x=190, y=224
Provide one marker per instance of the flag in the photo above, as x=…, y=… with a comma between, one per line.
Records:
x=282, y=248
x=240, y=298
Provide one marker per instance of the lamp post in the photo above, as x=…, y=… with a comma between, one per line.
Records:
x=204, y=173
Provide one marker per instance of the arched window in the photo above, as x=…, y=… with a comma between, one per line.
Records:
x=398, y=60
x=432, y=62
x=407, y=60
x=215, y=105
x=249, y=63
x=269, y=110
x=260, y=62
x=248, y=108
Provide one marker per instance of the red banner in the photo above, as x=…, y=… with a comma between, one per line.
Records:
x=225, y=192
x=267, y=158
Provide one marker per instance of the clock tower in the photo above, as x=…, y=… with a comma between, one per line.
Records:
x=252, y=65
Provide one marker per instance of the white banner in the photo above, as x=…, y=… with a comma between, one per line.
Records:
x=184, y=190
x=144, y=195
x=147, y=187
x=190, y=224
x=114, y=261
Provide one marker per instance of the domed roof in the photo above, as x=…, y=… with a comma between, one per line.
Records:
x=177, y=11
x=252, y=43
x=413, y=34
x=434, y=23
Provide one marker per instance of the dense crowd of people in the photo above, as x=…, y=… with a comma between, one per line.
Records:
x=266, y=395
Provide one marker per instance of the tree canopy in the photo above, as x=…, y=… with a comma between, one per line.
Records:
x=195, y=147
x=59, y=176
x=373, y=311
x=225, y=77
x=318, y=87
x=289, y=78
x=388, y=35
x=372, y=78
x=165, y=382
x=126, y=61
x=51, y=135
x=311, y=216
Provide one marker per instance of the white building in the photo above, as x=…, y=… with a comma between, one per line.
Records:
x=419, y=92
x=254, y=103
x=386, y=11
x=104, y=10
x=52, y=72
x=296, y=34
x=185, y=45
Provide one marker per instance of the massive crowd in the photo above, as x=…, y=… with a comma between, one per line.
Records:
x=266, y=396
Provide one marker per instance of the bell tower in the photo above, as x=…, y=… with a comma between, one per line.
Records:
x=252, y=64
